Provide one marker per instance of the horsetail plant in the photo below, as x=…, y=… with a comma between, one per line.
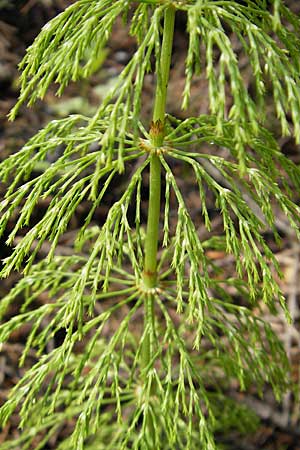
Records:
x=153, y=330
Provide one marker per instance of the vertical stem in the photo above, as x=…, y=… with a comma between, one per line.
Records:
x=152, y=233
x=157, y=135
x=151, y=243
x=165, y=63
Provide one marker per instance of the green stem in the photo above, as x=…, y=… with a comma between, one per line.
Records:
x=152, y=233
x=157, y=134
x=165, y=63
x=151, y=243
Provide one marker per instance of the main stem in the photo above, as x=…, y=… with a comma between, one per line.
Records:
x=157, y=136
x=152, y=233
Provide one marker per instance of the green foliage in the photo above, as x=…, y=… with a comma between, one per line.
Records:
x=138, y=385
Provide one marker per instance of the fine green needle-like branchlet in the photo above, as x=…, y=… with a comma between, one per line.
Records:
x=135, y=336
